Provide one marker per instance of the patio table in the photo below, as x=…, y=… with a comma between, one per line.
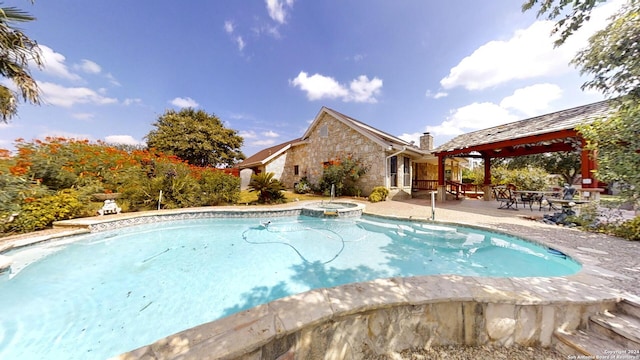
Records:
x=565, y=205
x=537, y=196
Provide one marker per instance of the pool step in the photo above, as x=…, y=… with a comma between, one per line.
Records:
x=608, y=334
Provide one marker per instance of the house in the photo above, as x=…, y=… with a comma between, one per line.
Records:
x=271, y=159
x=400, y=166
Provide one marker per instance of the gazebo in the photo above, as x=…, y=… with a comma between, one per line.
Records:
x=552, y=132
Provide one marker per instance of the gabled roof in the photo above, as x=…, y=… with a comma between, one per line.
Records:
x=264, y=156
x=380, y=137
x=529, y=128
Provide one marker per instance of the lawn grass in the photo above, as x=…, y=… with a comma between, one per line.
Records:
x=251, y=197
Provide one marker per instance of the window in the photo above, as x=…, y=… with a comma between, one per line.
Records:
x=407, y=172
x=296, y=170
x=393, y=171
x=324, y=131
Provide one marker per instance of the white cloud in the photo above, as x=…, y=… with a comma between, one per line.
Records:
x=65, y=134
x=529, y=53
x=128, y=102
x=438, y=95
x=271, y=134
x=83, y=116
x=121, y=139
x=415, y=137
x=112, y=79
x=89, y=67
x=228, y=27
x=266, y=142
x=473, y=117
x=240, y=42
x=278, y=9
x=364, y=90
x=248, y=134
x=54, y=64
x=532, y=100
x=319, y=87
x=58, y=95
x=184, y=102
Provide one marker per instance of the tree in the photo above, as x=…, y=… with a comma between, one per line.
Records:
x=16, y=51
x=566, y=164
x=612, y=59
x=580, y=12
x=613, y=55
x=617, y=140
x=196, y=137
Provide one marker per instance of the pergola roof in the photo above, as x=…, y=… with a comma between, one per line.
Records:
x=545, y=133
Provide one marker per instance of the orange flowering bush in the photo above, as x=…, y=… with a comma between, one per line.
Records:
x=44, y=167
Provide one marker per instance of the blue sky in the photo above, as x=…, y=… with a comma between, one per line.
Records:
x=267, y=67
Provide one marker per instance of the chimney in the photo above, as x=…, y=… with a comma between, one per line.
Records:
x=426, y=141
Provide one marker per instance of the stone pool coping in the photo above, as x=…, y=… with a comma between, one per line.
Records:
x=499, y=311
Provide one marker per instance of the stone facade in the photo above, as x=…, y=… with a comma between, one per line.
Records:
x=330, y=140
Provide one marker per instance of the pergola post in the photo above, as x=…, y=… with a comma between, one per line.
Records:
x=588, y=166
x=486, y=186
x=442, y=190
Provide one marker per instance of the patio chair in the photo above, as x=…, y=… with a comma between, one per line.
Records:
x=528, y=198
x=568, y=192
x=505, y=197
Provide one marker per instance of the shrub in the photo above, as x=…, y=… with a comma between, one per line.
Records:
x=379, y=193
x=529, y=179
x=269, y=189
x=40, y=213
x=629, y=229
x=218, y=187
x=344, y=174
x=303, y=186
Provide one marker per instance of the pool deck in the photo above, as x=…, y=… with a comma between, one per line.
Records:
x=610, y=272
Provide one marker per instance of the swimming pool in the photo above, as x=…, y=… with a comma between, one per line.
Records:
x=102, y=294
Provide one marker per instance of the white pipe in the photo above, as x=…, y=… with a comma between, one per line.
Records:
x=386, y=165
x=433, y=205
x=159, y=199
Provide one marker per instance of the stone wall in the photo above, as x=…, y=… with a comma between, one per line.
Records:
x=380, y=317
x=330, y=140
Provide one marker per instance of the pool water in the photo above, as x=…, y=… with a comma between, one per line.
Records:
x=102, y=294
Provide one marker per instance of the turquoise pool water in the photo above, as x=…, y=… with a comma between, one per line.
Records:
x=102, y=294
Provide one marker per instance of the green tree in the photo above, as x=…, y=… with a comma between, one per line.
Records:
x=526, y=179
x=196, y=137
x=612, y=59
x=16, y=51
x=613, y=55
x=571, y=21
x=566, y=164
x=617, y=140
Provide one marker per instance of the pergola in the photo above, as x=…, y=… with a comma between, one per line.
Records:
x=552, y=132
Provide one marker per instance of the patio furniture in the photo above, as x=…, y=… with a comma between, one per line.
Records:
x=527, y=198
x=109, y=207
x=566, y=205
x=505, y=196
x=535, y=196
